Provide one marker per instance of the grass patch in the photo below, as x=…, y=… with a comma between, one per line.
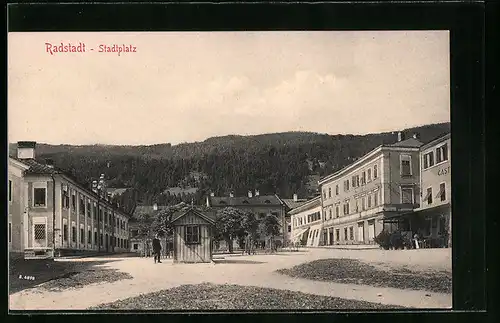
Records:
x=353, y=271
x=59, y=275
x=234, y=297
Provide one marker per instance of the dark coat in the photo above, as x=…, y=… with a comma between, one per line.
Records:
x=156, y=244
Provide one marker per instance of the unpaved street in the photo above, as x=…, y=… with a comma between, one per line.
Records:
x=256, y=270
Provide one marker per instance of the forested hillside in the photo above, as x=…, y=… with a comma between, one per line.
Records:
x=273, y=163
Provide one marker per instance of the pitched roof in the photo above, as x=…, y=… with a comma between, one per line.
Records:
x=207, y=216
x=292, y=204
x=148, y=209
x=254, y=200
x=410, y=142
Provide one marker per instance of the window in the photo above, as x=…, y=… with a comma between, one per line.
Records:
x=351, y=233
x=73, y=234
x=289, y=228
x=82, y=205
x=324, y=194
x=337, y=234
x=369, y=201
x=406, y=195
x=89, y=209
x=39, y=197
x=65, y=232
x=192, y=234
x=442, y=191
x=65, y=199
x=346, y=208
x=82, y=236
x=39, y=231
x=429, y=195
x=330, y=214
x=95, y=212
x=95, y=237
x=406, y=165
x=375, y=199
x=10, y=230
x=345, y=233
x=10, y=191
x=101, y=239
x=363, y=206
x=136, y=246
x=73, y=201
x=428, y=160
x=329, y=192
x=89, y=237
x=363, y=178
x=369, y=173
x=337, y=211
x=346, y=185
x=245, y=202
x=100, y=215
x=442, y=153
x=336, y=190
x=375, y=172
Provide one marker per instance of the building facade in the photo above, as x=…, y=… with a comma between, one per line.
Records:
x=357, y=199
x=432, y=220
x=58, y=215
x=260, y=205
x=307, y=223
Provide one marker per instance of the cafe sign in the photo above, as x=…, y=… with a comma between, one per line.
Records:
x=444, y=171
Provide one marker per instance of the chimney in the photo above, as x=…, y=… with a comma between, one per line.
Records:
x=155, y=207
x=231, y=194
x=249, y=194
x=416, y=135
x=401, y=136
x=212, y=194
x=49, y=162
x=295, y=198
x=26, y=149
x=257, y=193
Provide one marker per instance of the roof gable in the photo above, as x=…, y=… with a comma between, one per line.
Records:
x=180, y=214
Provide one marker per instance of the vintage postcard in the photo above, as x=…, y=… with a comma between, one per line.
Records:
x=262, y=170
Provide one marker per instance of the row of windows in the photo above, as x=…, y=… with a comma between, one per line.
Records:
x=355, y=181
x=316, y=216
x=441, y=194
x=441, y=156
x=119, y=242
x=362, y=204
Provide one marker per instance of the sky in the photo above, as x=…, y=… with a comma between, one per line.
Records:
x=189, y=86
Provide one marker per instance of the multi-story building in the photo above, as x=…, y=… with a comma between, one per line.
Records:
x=54, y=215
x=290, y=204
x=432, y=220
x=307, y=223
x=260, y=205
x=358, y=198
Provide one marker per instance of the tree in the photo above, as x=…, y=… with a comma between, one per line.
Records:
x=249, y=228
x=228, y=225
x=144, y=230
x=270, y=226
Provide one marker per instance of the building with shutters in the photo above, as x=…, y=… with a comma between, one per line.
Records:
x=307, y=223
x=432, y=219
x=359, y=200
x=52, y=214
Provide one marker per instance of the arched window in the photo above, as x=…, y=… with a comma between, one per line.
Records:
x=267, y=202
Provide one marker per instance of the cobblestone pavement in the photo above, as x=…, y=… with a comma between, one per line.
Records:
x=256, y=270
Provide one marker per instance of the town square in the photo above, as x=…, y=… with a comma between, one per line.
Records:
x=235, y=171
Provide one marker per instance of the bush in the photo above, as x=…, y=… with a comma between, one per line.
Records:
x=383, y=239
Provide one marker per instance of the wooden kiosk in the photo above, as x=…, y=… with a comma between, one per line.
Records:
x=192, y=236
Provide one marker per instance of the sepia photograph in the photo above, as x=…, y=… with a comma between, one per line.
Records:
x=229, y=170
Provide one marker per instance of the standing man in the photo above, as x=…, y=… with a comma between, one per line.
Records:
x=156, y=248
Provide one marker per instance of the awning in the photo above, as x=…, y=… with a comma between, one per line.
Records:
x=317, y=234
x=297, y=237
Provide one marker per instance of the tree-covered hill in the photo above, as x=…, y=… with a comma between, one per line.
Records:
x=273, y=163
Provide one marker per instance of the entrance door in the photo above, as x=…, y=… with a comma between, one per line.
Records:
x=39, y=229
x=361, y=232
x=371, y=230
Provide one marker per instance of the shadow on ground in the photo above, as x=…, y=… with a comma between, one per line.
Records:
x=58, y=275
x=237, y=261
